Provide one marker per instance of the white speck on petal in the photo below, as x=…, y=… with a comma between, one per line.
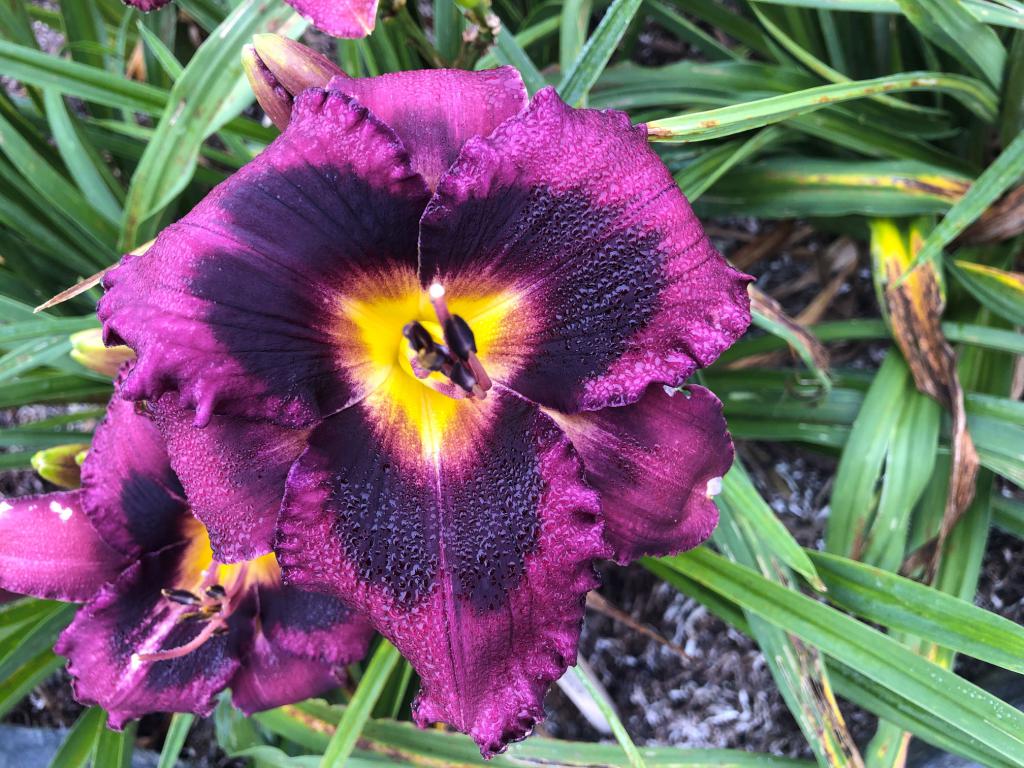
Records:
x=135, y=662
x=436, y=291
x=5, y=508
x=714, y=487
x=61, y=511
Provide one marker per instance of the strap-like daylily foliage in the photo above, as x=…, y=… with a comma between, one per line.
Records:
x=425, y=351
x=165, y=626
x=340, y=18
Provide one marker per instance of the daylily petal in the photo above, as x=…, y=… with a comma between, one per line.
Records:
x=50, y=548
x=306, y=639
x=129, y=616
x=271, y=677
x=339, y=18
x=312, y=625
x=435, y=111
x=473, y=559
x=131, y=494
x=656, y=464
x=616, y=283
x=236, y=305
x=233, y=473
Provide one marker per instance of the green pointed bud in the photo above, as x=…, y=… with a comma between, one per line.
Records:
x=279, y=69
x=60, y=465
x=87, y=350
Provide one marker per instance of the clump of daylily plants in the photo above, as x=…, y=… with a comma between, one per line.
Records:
x=415, y=369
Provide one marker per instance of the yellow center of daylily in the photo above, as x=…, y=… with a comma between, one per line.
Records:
x=424, y=406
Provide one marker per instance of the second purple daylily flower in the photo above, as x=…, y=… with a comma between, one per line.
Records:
x=439, y=319
x=164, y=626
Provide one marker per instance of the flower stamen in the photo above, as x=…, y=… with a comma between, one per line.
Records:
x=468, y=371
x=214, y=607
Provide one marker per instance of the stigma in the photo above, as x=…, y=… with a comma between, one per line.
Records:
x=456, y=358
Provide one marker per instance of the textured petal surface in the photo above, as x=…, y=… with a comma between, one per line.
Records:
x=129, y=490
x=271, y=677
x=314, y=626
x=652, y=463
x=339, y=18
x=233, y=472
x=236, y=305
x=131, y=616
x=48, y=548
x=306, y=639
x=473, y=560
x=579, y=217
x=435, y=111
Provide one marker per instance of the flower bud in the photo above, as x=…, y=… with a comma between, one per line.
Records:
x=61, y=465
x=279, y=69
x=87, y=350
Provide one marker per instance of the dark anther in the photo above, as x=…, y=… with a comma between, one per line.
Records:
x=418, y=336
x=182, y=596
x=193, y=616
x=216, y=592
x=462, y=376
x=459, y=337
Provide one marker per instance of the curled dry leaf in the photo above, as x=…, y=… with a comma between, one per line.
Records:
x=915, y=304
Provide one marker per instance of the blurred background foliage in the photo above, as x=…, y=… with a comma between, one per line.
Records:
x=879, y=138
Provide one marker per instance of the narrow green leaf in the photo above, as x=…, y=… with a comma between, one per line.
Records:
x=177, y=732
x=191, y=114
x=81, y=159
x=81, y=739
x=995, y=13
x=1003, y=173
x=114, y=748
x=950, y=26
x=1008, y=514
x=907, y=606
x=572, y=31
x=577, y=82
x=997, y=289
x=740, y=502
x=946, y=696
x=160, y=52
x=725, y=121
x=618, y=729
x=698, y=177
x=351, y=725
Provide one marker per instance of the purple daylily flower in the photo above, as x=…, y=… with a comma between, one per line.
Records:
x=443, y=318
x=164, y=627
x=340, y=18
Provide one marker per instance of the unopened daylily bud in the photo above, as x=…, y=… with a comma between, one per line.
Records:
x=59, y=465
x=279, y=69
x=270, y=94
x=296, y=66
x=88, y=350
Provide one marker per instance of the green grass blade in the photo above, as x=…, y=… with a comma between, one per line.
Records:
x=618, y=729
x=946, y=696
x=588, y=66
x=725, y=121
x=82, y=161
x=1004, y=172
x=191, y=114
x=81, y=739
x=115, y=748
x=1000, y=291
x=181, y=723
x=908, y=606
x=351, y=725
x=949, y=25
